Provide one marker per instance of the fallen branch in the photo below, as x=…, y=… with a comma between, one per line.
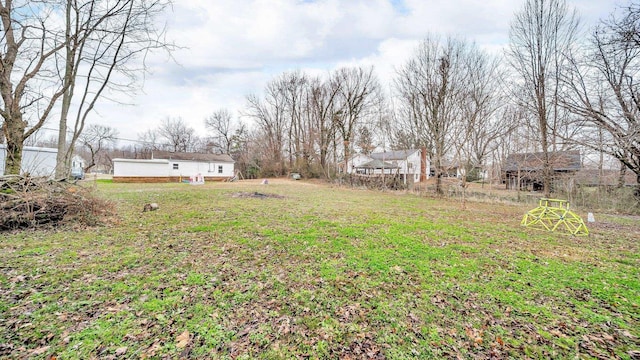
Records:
x=33, y=202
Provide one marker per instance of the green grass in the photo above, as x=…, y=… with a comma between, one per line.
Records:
x=323, y=272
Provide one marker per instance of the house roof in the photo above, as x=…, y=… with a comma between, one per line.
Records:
x=394, y=154
x=191, y=156
x=358, y=156
x=560, y=161
x=142, y=161
x=376, y=164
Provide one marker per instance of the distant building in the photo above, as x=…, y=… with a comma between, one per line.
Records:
x=375, y=166
x=412, y=165
x=77, y=167
x=165, y=166
x=36, y=161
x=525, y=170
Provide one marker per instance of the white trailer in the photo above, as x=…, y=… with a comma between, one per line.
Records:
x=36, y=161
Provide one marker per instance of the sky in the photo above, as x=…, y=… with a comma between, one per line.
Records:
x=232, y=48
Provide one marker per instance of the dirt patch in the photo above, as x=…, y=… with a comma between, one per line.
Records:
x=607, y=225
x=627, y=223
x=256, y=195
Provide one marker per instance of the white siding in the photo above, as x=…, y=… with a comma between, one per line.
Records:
x=164, y=168
x=356, y=161
x=228, y=169
x=35, y=161
x=134, y=167
x=77, y=162
x=408, y=166
x=207, y=169
x=411, y=164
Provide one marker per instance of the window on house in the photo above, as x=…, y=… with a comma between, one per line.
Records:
x=175, y=166
x=219, y=169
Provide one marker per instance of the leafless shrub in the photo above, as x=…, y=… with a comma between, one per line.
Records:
x=608, y=199
x=373, y=182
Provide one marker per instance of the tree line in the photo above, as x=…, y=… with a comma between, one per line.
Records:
x=556, y=87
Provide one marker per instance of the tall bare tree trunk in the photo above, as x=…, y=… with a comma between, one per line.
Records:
x=541, y=36
x=62, y=170
x=621, y=176
x=14, y=134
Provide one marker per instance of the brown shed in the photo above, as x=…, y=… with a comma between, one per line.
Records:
x=527, y=168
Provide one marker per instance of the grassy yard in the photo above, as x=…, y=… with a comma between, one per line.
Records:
x=317, y=272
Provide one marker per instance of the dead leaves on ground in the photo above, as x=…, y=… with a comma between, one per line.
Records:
x=262, y=302
x=183, y=340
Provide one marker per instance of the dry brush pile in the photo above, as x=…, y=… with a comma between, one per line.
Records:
x=375, y=182
x=36, y=202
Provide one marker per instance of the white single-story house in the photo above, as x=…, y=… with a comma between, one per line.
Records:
x=36, y=161
x=167, y=166
x=412, y=165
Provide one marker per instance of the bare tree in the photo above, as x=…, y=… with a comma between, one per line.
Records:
x=365, y=140
x=150, y=140
x=293, y=86
x=105, y=49
x=221, y=125
x=480, y=125
x=430, y=87
x=604, y=93
x=97, y=139
x=41, y=58
x=299, y=119
x=357, y=96
x=27, y=57
x=626, y=29
x=321, y=103
x=177, y=135
x=240, y=149
x=271, y=119
x=540, y=36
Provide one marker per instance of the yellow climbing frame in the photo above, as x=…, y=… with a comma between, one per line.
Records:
x=554, y=214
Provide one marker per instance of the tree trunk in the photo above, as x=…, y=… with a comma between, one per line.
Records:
x=543, y=123
x=62, y=158
x=438, y=174
x=621, y=175
x=346, y=156
x=546, y=175
x=62, y=168
x=15, y=144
